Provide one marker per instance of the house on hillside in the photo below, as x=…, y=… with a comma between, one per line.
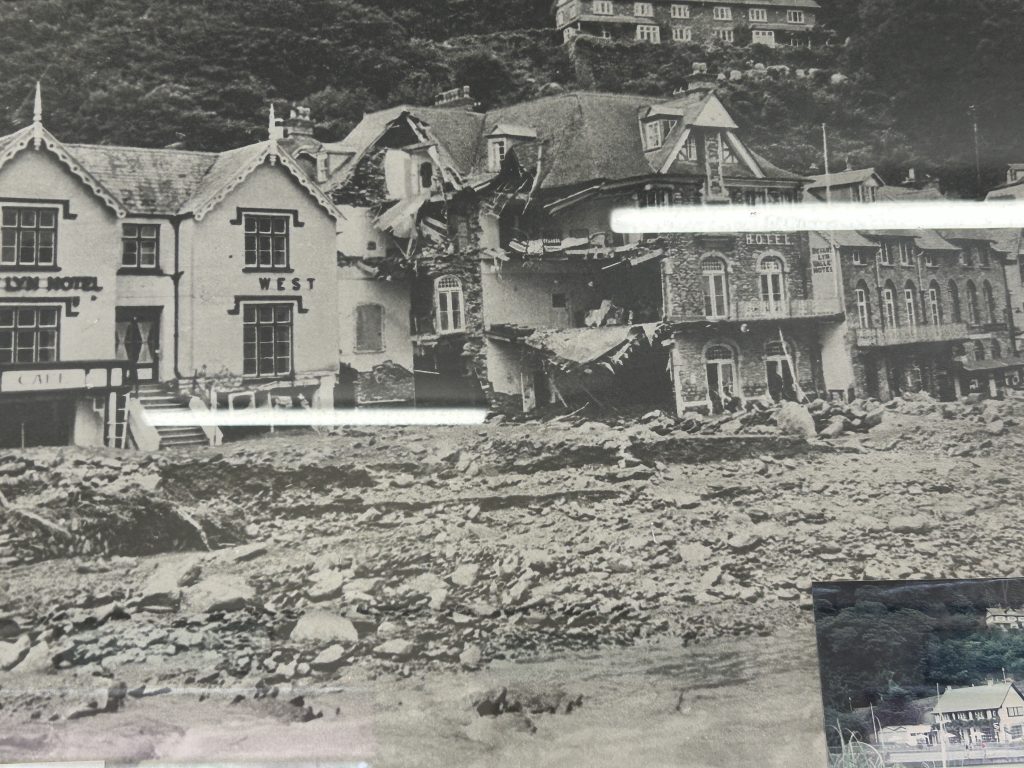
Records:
x=1004, y=618
x=769, y=22
x=858, y=185
x=981, y=713
x=137, y=281
x=1013, y=187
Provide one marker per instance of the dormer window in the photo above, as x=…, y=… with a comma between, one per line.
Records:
x=496, y=154
x=654, y=134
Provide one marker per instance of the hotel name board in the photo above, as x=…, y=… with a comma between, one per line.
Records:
x=36, y=283
x=768, y=238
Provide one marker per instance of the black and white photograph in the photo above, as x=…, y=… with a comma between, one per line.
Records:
x=922, y=673
x=460, y=382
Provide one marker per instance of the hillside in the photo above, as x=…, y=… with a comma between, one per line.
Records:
x=152, y=72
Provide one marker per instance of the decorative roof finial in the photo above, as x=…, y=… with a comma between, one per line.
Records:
x=37, y=117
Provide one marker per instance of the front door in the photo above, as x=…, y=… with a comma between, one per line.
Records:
x=138, y=340
x=780, y=379
x=721, y=370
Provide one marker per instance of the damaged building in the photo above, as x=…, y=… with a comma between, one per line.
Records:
x=575, y=312
x=412, y=332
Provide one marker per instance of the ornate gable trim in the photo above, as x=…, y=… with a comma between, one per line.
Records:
x=276, y=155
x=39, y=136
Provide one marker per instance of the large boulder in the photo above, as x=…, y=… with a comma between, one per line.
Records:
x=220, y=592
x=325, y=628
x=795, y=420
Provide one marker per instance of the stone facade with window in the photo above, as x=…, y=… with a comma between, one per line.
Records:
x=748, y=319
x=927, y=311
x=772, y=22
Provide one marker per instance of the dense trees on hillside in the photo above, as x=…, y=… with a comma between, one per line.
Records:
x=890, y=646
x=153, y=72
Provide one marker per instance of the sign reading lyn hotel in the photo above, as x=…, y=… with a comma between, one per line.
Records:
x=34, y=283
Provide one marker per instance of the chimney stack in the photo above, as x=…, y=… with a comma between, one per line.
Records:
x=455, y=98
x=299, y=123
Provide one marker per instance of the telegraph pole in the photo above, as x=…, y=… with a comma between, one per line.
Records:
x=973, y=113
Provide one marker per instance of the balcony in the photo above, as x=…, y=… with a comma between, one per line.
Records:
x=756, y=311
x=915, y=334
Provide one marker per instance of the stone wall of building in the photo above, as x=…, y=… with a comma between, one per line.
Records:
x=690, y=365
x=743, y=255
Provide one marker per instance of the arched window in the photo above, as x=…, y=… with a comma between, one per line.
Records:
x=889, y=305
x=910, y=303
x=990, y=302
x=972, y=303
x=979, y=350
x=448, y=294
x=716, y=288
x=997, y=350
x=863, y=305
x=720, y=364
x=954, y=299
x=934, y=303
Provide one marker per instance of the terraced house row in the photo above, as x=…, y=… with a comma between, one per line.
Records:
x=765, y=22
x=442, y=255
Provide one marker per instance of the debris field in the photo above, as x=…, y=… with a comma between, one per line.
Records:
x=293, y=561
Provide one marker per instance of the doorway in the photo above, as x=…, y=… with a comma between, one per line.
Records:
x=137, y=332
x=779, y=373
x=720, y=363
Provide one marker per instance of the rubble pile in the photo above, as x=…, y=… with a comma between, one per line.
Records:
x=92, y=505
x=449, y=550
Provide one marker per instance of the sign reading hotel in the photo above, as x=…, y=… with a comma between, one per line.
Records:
x=768, y=238
x=34, y=283
x=821, y=261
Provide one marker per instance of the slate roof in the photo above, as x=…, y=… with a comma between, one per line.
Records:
x=161, y=182
x=842, y=178
x=146, y=181
x=973, y=698
x=906, y=194
x=587, y=136
x=970, y=234
x=225, y=168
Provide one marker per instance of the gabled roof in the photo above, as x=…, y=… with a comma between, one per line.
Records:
x=973, y=698
x=905, y=194
x=970, y=234
x=588, y=137
x=161, y=182
x=40, y=138
x=844, y=178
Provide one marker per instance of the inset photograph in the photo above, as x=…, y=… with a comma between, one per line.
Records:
x=922, y=673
